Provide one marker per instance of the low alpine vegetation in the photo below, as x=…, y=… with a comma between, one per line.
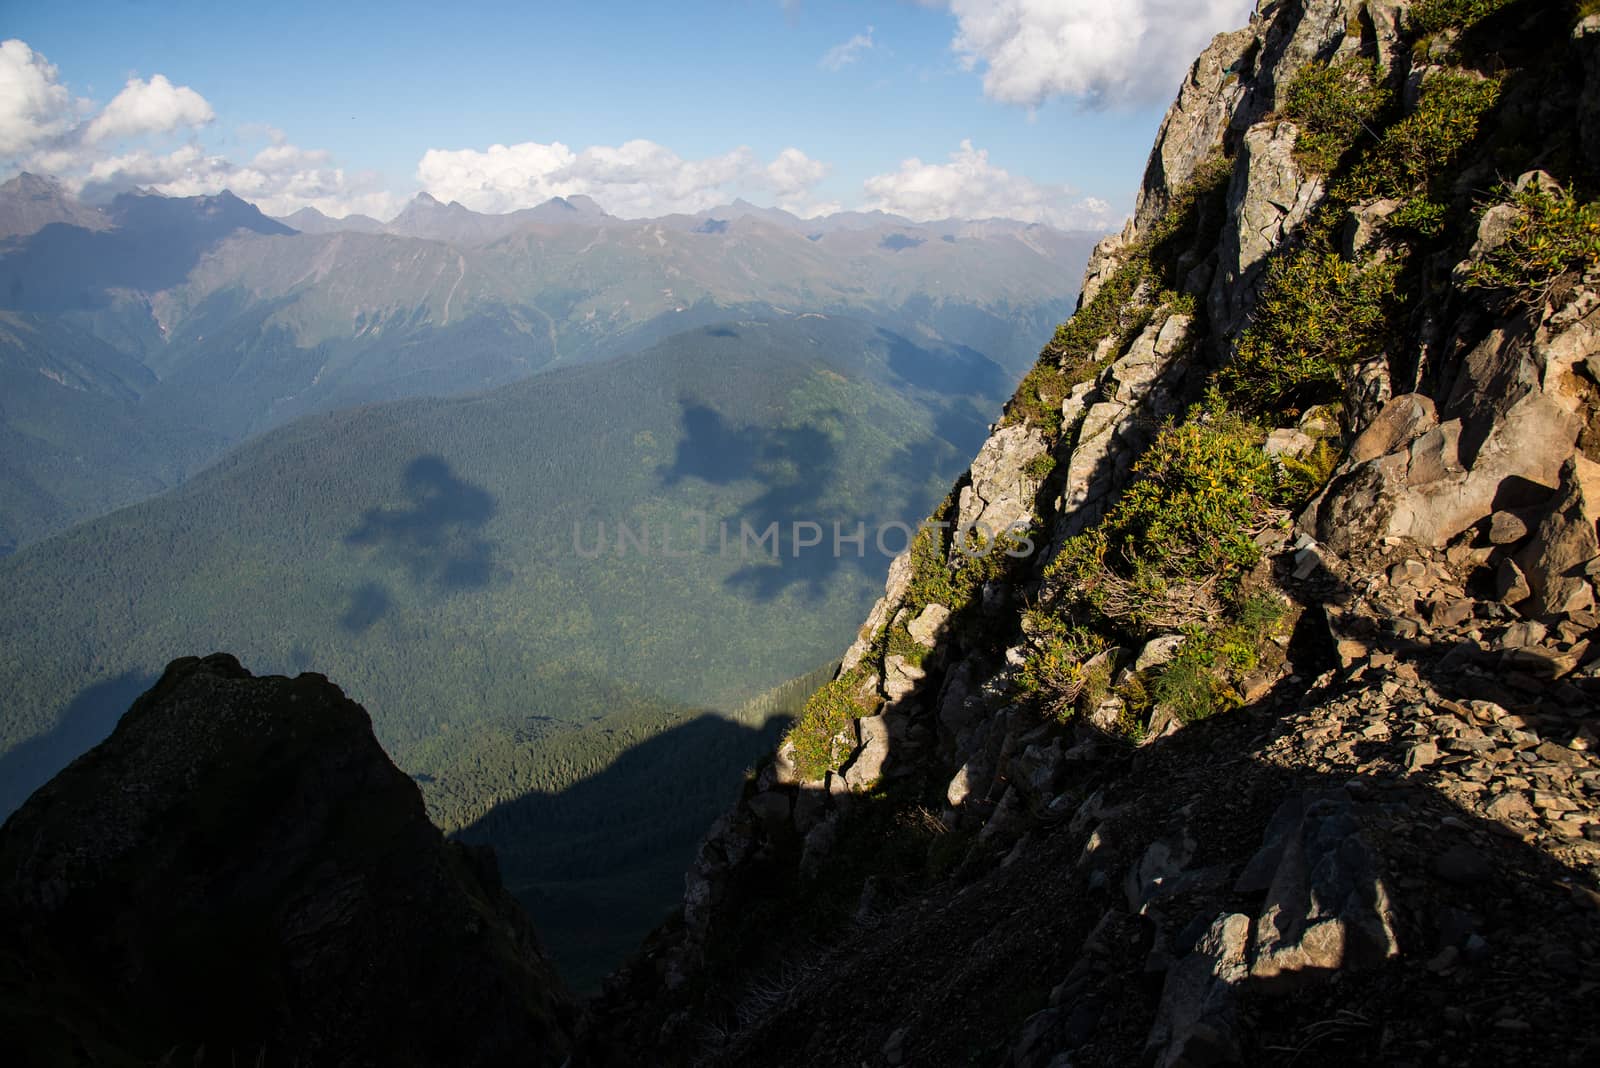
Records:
x=821, y=734
x=1319, y=315
x=1333, y=105
x=1548, y=233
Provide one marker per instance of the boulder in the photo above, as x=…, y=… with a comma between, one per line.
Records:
x=1158, y=651
x=866, y=767
x=1327, y=906
x=1556, y=558
x=1000, y=493
x=929, y=625
x=1197, y=1020
x=1287, y=441
x=900, y=677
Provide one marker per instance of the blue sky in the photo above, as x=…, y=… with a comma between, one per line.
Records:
x=1041, y=109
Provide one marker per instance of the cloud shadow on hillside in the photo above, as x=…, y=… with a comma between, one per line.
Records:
x=436, y=536
x=84, y=723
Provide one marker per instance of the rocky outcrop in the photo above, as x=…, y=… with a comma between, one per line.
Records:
x=1221, y=891
x=239, y=874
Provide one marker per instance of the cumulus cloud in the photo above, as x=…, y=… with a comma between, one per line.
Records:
x=636, y=179
x=35, y=108
x=842, y=55
x=1097, y=51
x=144, y=137
x=146, y=107
x=970, y=187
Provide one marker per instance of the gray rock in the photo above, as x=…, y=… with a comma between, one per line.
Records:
x=1162, y=861
x=866, y=767
x=901, y=677
x=1421, y=755
x=1197, y=1020
x=1287, y=441
x=1268, y=200
x=1364, y=226
x=818, y=846
x=961, y=785
x=772, y=808
x=1511, y=585
x=929, y=625
x=1205, y=106
x=1522, y=635
x=1158, y=651
x=1506, y=528
x=1328, y=907
x=1001, y=493
x=1509, y=805
x=1563, y=544
x=1407, y=475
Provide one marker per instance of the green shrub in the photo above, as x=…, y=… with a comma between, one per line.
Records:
x=1304, y=476
x=1055, y=673
x=1431, y=16
x=1420, y=147
x=1332, y=104
x=1198, y=493
x=1040, y=466
x=1552, y=233
x=1179, y=539
x=903, y=645
x=1318, y=314
x=1201, y=679
x=1420, y=214
x=826, y=715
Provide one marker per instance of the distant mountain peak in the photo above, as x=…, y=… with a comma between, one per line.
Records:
x=29, y=202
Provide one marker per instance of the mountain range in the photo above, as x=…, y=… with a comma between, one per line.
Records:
x=139, y=340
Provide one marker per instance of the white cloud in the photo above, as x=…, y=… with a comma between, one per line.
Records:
x=970, y=187
x=34, y=107
x=281, y=179
x=636, y=179
x=144, y=138
x=1097, y=51
x=152, y=107
x=842, y=55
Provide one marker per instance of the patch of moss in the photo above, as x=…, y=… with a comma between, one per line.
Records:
x=1040, y=466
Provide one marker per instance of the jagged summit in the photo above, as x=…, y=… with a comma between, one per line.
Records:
x=239, y=871
x=29, y=202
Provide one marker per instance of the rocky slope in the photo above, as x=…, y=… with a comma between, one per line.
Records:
x=239, y=875
x=1269, y=736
